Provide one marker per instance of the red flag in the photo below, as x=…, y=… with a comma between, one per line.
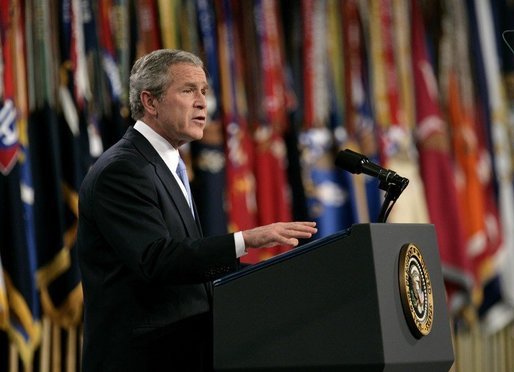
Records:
x=8, y=134
x=436, y=165
x=240, y=178
x=148, y=29
x=270, y=162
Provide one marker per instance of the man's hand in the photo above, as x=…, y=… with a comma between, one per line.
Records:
x=280, y=233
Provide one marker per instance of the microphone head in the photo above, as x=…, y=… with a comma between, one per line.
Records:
x=350, y=161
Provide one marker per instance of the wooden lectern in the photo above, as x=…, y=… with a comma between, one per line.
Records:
x=336, y=303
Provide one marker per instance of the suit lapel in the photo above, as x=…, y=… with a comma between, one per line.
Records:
x=197, y=219
x=164, y=175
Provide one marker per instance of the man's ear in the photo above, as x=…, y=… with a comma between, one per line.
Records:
x=148, y=101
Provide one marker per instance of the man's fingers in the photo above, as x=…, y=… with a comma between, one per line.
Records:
x=281, y=233
x=301, y=229
x=296, y=230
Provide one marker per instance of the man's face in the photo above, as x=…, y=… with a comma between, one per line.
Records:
x=182, y=110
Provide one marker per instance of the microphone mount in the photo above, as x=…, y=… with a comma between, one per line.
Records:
x=389, y=181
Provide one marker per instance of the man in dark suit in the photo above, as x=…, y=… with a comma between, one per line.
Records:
x=146, y=268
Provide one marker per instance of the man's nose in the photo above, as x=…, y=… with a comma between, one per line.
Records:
x=200, y=101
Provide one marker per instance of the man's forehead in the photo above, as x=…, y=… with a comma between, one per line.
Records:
x=187, y=73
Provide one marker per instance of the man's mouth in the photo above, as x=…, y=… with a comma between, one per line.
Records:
x=199, y=119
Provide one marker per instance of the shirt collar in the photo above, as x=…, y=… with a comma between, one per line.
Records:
x=166, y=151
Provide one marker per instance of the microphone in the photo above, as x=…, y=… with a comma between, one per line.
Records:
x=356, y=163
x=390, y=181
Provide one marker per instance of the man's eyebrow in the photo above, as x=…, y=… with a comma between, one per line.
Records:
x=196, y=85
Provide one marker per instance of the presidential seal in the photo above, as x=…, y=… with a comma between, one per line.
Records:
x=415, y=291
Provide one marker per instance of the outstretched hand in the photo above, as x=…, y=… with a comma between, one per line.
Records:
x=280, y=233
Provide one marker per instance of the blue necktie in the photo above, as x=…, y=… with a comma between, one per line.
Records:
x=182, y=174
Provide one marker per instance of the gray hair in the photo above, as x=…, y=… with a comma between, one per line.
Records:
x=151, y=73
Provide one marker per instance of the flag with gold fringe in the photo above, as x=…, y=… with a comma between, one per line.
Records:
x=54, y=205
x=18, y=249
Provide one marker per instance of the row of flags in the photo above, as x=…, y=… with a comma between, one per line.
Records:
x=419, y=87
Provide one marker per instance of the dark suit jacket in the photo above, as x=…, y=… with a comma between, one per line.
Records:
x=144, y=262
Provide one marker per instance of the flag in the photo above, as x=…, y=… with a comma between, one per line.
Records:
x=359, y=123
x=57, y=274
x=8, y=137
x=19, y=261
x=352, y=209
x=238, y=148
x=4, y=306
x=168, y=21
x=55, y=206
x=270, y=123
x=398, y=151
x=149, y=38
x=209, y=160
x=189, y=28
x=293, y=50
x=500, y=311
x=19, y=265
x=436, y=167
x=123, y=32
x=326, y=188
x=18, y=249
x=462, y=84
x=109, y=115
x=482, y=251
x=102, y=72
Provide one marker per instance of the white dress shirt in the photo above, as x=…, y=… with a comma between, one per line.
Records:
x=170, y=156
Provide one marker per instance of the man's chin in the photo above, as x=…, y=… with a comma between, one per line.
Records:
x=199, y=137
x=196, y=136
